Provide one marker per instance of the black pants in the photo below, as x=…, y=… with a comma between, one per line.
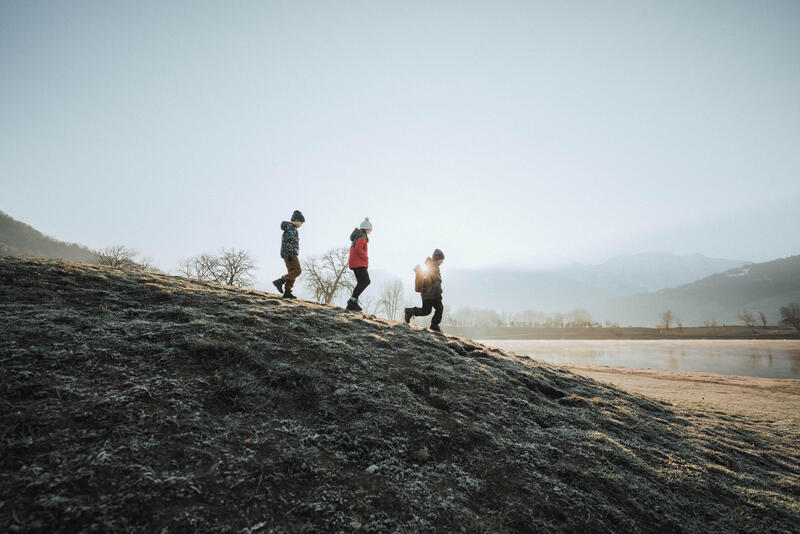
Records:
x=362, y=281
x=427, y=306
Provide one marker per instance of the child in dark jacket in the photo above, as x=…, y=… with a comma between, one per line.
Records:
x=359, y=261
x=290, y=251
x=431, y=290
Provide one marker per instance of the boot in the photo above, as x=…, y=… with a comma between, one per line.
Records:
x=279, y=284
x=288, y=294
x=435, y=328
x=352, y=304
x=408, y=314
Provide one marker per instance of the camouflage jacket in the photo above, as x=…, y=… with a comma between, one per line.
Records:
x=290, y=244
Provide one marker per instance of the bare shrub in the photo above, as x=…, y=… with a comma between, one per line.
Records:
x=122, y=256
x=790, y=315
x=747, y=318
x=328, y=275
x=390, y=299
x=666, y=318
x=232, y=267
x=117, y=256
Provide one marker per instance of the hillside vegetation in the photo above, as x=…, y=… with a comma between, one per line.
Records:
x=140, y=402
x=20, y=239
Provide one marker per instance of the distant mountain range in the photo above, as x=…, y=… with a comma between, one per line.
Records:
x=577, y=285
x=648, y=271
x=756, y=287
x=20, y=239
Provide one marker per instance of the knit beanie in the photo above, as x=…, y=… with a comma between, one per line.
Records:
x=297, y=216
x=438, y=254
x=366, y=225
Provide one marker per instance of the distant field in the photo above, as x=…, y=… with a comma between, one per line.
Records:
x=687, y=332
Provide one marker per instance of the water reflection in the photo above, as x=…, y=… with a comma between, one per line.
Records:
x=768, y=359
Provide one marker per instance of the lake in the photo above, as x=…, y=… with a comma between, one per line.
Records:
x=762, y=358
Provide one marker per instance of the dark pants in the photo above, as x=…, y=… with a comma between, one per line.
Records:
x=362, y=281
x=427, y=305
x=293, y=266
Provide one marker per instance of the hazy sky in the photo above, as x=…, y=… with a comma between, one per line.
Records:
x=501, y=132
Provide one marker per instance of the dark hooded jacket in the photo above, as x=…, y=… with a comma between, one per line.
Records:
x=358, y=249
x=290, y=244
x=432, y=286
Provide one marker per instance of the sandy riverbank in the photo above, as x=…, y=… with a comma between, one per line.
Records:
x=763, y=400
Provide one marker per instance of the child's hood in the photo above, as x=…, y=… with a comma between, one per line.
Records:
x=357, y=234
x=285, y=225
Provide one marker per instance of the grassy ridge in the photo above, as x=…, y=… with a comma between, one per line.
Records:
x=139, y=402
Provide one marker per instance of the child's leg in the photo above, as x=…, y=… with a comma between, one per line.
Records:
x=427, y=306
x=362, y=281
x=437, y=316
x=294, y=270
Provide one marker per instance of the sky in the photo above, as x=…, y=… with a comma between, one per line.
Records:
x=505, y=133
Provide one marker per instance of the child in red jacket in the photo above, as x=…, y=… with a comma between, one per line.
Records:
x=359, y=261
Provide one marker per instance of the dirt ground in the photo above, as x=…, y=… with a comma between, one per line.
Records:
x=764, y=400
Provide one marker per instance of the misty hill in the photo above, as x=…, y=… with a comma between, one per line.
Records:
x=648, y=271
x=756, y=287
x=577, y=285
x=20, y=239
x=141, y=402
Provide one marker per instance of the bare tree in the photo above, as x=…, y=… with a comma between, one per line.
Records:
x=790, y=315
x=747, y=318
x=117, y=256
x=369, y=305
x=202, y=267
x=390, y=299
x=232, y=267
x=235, y=268
x=579, y=318
x=763, y=319
x=328, y=275
x=666, y=318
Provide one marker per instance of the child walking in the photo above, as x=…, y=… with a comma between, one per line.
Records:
x=290, y=250
x=429, y=283
x=359, y=261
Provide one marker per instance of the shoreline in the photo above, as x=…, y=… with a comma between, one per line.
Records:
x=772, y=401
x=632, y=333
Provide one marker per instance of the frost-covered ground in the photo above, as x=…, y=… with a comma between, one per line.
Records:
x=147, y=403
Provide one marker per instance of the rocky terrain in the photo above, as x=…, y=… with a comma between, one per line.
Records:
x=138, y=402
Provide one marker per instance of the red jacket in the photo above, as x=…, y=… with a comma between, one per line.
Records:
x=358, y=250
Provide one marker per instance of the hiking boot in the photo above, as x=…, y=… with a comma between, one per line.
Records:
x=409, y=313
x=435, y=328
x=352, y=305
x=288, y=294
x=279, y=284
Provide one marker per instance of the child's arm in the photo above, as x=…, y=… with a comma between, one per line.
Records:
x=361, y=248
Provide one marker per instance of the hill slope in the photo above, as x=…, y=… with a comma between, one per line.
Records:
x=139, y=402
x=757, y=287
x=648, y=271
x=20, y=239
